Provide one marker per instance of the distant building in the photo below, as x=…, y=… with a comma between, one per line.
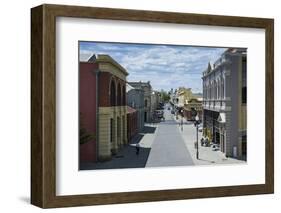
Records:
x=173, y=97
x=135, y=99
x=187, y=103
x=225, y=102
x=146, y=87
x=102, y=106
x=132, y=122
x=155, y=100
x=192, y=108
x=183, y=96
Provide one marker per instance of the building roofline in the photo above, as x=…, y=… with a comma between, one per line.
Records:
x=140, y=83
x=103, y=58
x=239, y=51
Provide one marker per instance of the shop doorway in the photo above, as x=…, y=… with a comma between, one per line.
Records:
x=217, y=139
x=145, y=117
x=118, y=131
x=111, y=130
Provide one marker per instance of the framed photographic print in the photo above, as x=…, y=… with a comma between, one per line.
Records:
x=137, y=106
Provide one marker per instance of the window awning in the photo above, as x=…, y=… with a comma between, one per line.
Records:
x=221, y=118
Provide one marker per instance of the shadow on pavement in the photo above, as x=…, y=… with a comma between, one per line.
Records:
x=149, y=129
x=125, y=158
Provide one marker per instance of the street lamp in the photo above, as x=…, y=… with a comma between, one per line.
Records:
x=196, y=123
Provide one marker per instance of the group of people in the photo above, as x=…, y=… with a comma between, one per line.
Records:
x=205, y=141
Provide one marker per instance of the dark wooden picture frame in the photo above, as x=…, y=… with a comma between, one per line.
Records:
x=43, y=105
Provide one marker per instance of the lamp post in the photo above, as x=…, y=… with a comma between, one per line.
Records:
x=196, y=123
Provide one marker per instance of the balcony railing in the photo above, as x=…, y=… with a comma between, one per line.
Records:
x=213, y=103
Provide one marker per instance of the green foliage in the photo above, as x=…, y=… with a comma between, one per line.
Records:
x=165, y=96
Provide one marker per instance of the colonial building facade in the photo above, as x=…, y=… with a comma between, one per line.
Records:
x=102, y=105
x=225, y=103
x=146, y=87
x=135, y=99
x=193, y=105
x=183, y=96
x=155, y=100
x=186, y=103
x=132, y=122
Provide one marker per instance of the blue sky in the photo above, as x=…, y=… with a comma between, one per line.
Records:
x=165, y=66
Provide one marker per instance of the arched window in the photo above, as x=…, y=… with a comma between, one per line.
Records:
x=219, y=89
x=124, y=96
x=211, y=90
x=119, y=97
x=222, y=89
x=215, y=90
x=112, y=93
x=207, y=91
x=213, y=94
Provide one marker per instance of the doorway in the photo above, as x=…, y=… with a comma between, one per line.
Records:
x=111, y=130
x=118, y=131
x=145, y=117
x=217, y=139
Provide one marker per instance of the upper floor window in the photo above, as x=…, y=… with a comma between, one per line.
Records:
x=112, y=94
x=124, y=96
x=222, y=89
x=119, y=97
x=145, y=103
x=219, y=90
x=210, y=91
x=215, y=90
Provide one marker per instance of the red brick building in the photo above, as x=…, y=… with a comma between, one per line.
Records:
x=102, y=106
x=88, y=108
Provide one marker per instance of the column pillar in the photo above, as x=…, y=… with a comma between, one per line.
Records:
x=104, y=135
x=114, y=146
x=228, y=144
x=125, y=139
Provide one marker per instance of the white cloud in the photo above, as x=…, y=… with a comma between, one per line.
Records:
x=165, y=66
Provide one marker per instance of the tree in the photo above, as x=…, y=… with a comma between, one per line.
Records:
x=165, y=96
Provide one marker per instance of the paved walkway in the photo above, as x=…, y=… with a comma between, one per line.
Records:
x=206, y=155
x=127, y=157
x=161, y=145
x=168, y=148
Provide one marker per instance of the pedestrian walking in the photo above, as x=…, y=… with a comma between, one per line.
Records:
x=181, y=124
x=137, y=149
